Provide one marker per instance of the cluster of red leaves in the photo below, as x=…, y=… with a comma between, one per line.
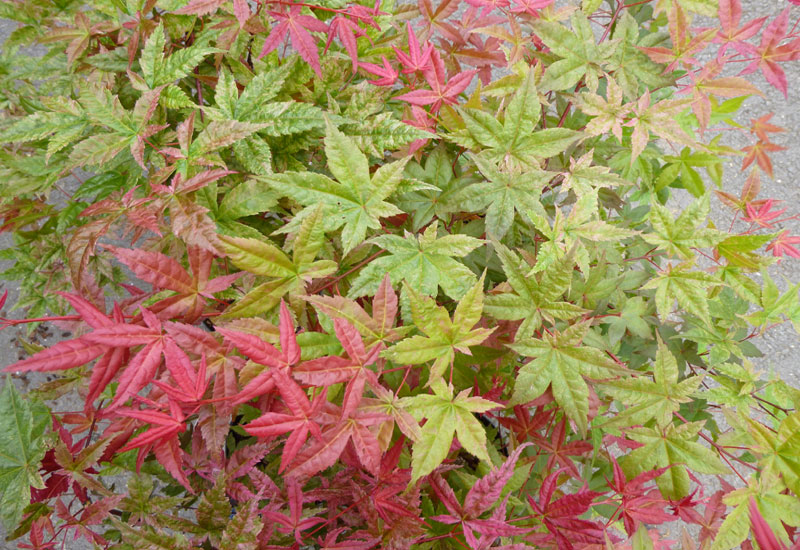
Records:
x=170, y=373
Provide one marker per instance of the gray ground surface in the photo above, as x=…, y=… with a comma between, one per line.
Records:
x=779, y=345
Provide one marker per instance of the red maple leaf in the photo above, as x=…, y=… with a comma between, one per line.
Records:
x=770, y=52
x=560, y=516
x=762, y=214
x=166, y=273
x=297, y=26
x=348, y=32
x=352, y=369
x=325, y=451
x=417, y=59
x=442, y=89
x=639, y=504
x=388, y=74
x=782, y=245
x=760, y=153
x=161, y=439
x=731, y=34
x=481, y=496
x=303, y=419
x=265, y=354
x=560, y=452
x=294, y=523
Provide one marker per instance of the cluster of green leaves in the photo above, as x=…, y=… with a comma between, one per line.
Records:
x=396, y=276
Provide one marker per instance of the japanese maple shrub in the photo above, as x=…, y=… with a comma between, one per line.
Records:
x=392, y=275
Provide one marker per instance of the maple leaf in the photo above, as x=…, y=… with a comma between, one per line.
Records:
x=770, y=52
x=264, y=353
x=440, y=195
x=417, y=59
x=684, y=45
x=524, y=425
x=294, y=523
x=688, y=287
x=425, y=262
x=192, y=383
x=443, y=90
x=168, y=426
x=159, y=70
x=327, y=371
x=348, y=32
x=558, y=451
x=776, y=450
x=447, y=415
x=289, y=275
x=142, y=367
x=706, y=82
x=581, y=56
x=356, y=201
x=443, y=337
x=561, y=362
x=778, y=510
x=730, y=33
x=484, y=494
x=660, y=119
x=761, y=127
x=762, y=532
x=763, y=215
x=760, y=152
x=652, y=399
x=388, y=74
x=677, y=236
x=608, y=114
x=532, y=301
x=325, y=451
x=165, y=273
x=299, y=28
x=377, y=327
x=23, y=425
x=638, y=504
x=675, y=447
x=782, y=245
x=560, y=516
x=514, y=141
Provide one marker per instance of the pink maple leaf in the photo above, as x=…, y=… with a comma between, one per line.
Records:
x=297, y=26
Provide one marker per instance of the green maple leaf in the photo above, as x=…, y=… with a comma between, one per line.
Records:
x=674, y=446
x=440, y=197
x=356, y=202
x=447, y=415
x=779, y=452
x=443, y=337
x=288, y=275
x=677, y=236
x=736, y=385
x=655, y=399
x=514, y=141
x=159, y=70
x=505, y=193
x=581, y=56
x=22, y=428
x=580, y=231
x=257, y=105
x=629, y=65
x=561, y=362
x=774, y=304
x=425, y=262
x=532, y=300
x=776, y=508
x=689, y=288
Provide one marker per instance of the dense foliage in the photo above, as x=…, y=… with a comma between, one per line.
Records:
x=393, y=275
